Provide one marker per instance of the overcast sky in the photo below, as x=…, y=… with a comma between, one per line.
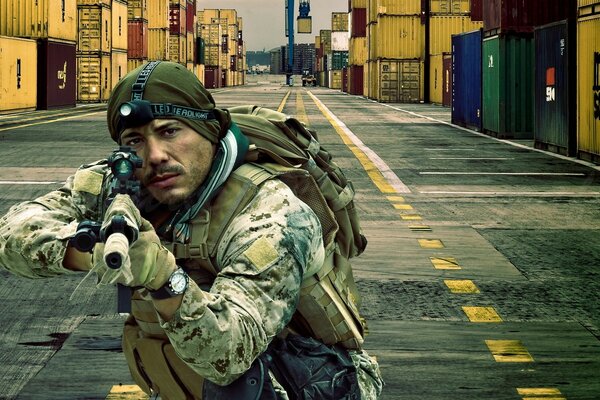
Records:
x=264, y=23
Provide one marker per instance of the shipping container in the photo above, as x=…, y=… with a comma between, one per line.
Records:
x=357, y=55
x=339, y=22
x=522, y=16
x=18, y=74
x=353, y=4
x=177, y=48
x=588, y=81
x=358, y=22
x=367, y=86
x=53, y=19
x=190, y=17
x=119, y=25
x=477, y=10
x=450, y=7
x=93, y=77
x=339, y=41
x=508, y=75
x=555, y=126
x=396, y=81
x=158, y=14
x=212, y=77
x=304, y=25
x=325, y=40
x=447, y=80
x=396, y=37
x=345, y=80
x=95, y=2
x=376, y=8
x=137, y=39
x=436, y=78
x=211, y=33
x=443, y=27
x=355, y=79
x=177, y=14
x=158, y=44
x=137, y=9
x=57, y=74
x=199, y=71
x=95, y=29
x=190, y=47
x=133, y=63
x=467, y=78
x=335, y=79
x=118, y=62
x=337, y=60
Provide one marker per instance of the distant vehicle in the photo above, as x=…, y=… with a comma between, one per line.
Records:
x=308, y=79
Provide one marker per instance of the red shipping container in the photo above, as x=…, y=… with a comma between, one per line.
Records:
x=524, y=15
x=189, y=17
x=356, y=80
x=476, y=10
x=177, y=15
x=57, y=74
x=447, y=80
x=359, y=22
x=212, y=77
x=137, y=39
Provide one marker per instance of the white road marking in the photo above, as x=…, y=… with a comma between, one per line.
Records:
x=494, y=193
x=505, y=173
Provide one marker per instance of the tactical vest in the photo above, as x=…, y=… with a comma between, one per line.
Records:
x=328, y=304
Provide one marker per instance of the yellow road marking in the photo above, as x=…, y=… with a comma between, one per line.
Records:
x=403, y=207
x=461, y=286
x=538, y=391
x=445, y=263
x=411, y=217
x=508, y=351
x=431, y=243
x=395, y=199
x=126, y=392
x=300, y=110
x=545, y=398
x=419, y=227
x=50, y=121
x=280, y=108
x=376, y=175
x=482, y=314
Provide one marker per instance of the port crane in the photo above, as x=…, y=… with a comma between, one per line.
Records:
x=304, y=26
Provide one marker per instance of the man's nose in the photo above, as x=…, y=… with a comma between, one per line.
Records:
x=156, y=152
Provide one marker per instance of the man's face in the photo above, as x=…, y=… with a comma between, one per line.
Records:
x=176, y=158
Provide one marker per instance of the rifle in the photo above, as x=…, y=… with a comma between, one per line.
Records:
x=117, y=234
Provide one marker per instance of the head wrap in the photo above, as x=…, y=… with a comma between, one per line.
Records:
x=170, y=83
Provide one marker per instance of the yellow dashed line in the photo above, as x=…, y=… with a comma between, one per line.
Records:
x=461, y=286
x=126, y=392
x=411, y=217
x=508, y=351
x=280, y=108
x=395, y=199
x=538, y=391
x=482, y=314
x=431, y=243
x=402, y=206
x=445, y=263
x=300, y=110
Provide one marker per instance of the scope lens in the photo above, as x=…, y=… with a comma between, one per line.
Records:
x=123, y=168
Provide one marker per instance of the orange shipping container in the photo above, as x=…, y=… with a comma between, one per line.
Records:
x=137, y=39
x=18, y=74
x=119, y=25
x=52, y=19
x=95, y=27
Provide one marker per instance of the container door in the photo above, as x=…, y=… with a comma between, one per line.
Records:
x=493, y=96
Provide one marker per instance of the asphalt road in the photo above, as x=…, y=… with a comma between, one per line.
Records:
x=480, y=281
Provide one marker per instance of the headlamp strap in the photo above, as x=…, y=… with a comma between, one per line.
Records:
x=174, y=110
x=137, y=89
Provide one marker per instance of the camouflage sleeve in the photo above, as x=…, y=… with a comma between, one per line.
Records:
x=34, y=234
x=262, y=259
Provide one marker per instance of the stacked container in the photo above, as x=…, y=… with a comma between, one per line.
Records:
x=508, y=62
x=358, y=51
x=395, y=36
x=338, y=58
x=588, y=80
x=177, y=31
x=322, y=69
x=446, y=18
x=53, y=24
x=467, y=79
x=158, y=29
x=137, y=33
x=18, y=74
x=120, y=38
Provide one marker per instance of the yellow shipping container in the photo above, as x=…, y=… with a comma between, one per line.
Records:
x=177, y=48
x=158, y=44
x=325, y=40
x=95, y=27
x=133, y=63
x=588, y=81
x=190, y=54
x=397, y=37
x=366, y=79
x=230, y=14
x=436, y=76
x=95, y=2
x=18, y=74
x=304, y=25
x=317, y=42
x=118, y=61
x=339, y=22
x=54, y=19
x=181, y=3
x=240, y=22
x=358, y=4
x=392, y=7
x=119, y=25
x=335, y=79
x=207, y=15
x=212, y=55
x=158, y=14
x=358, y=52
x=450, y=7
x=211, y=33
x=443, y=27
x=396, y=81
x=137, y=9
x=199, y=71
x=93, y=77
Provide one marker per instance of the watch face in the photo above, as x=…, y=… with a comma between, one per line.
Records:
x=179, y=282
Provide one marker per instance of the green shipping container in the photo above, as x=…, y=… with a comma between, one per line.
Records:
x=508, y=89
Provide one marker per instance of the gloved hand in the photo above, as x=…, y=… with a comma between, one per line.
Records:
x=148, y=264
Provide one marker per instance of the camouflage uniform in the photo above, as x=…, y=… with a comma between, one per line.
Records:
x=219, y=332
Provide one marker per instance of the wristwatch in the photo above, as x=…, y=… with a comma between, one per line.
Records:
x=176, y=284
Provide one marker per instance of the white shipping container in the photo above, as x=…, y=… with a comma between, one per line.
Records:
x=340, y=41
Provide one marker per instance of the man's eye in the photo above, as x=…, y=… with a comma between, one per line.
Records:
x=132, y=142
x=170, y=131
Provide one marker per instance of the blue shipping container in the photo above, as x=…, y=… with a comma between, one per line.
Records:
x=466, y=79
x=554, y=125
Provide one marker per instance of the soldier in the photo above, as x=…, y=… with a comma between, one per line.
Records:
x=218, y=266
